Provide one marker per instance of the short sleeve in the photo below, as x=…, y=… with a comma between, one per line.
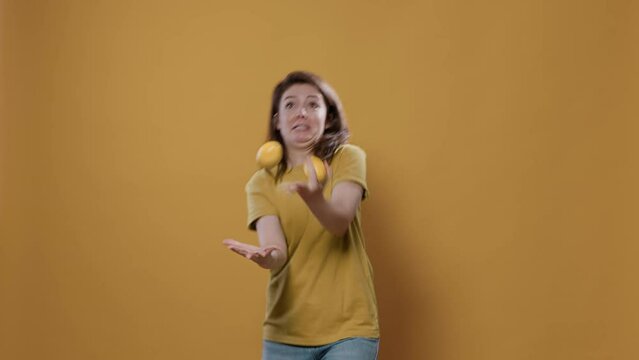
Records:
x=349, y=164
x=257, y=197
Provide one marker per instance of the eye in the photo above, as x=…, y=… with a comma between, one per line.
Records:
x=314, y=105
x=288, y=105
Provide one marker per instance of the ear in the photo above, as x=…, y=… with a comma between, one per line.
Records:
x=329, y=121
x=276, y=122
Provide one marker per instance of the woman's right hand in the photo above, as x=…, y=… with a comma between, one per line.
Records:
x=259, y=255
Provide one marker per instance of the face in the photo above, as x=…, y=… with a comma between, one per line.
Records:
x=302, y=116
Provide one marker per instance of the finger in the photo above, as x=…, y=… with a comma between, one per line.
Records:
x=238, y=251
x=229, y=242
x=289, y=187
x=234, y=243
x=312, y=175
x=329, y=171
x=243, y=246
x=284, y=186
x=297, y=187
x=293, y=188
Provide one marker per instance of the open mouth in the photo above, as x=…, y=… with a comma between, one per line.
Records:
x=300, y=127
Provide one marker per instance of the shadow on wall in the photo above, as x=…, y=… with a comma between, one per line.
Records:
x=401, y=308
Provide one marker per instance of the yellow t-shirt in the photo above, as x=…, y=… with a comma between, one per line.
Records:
x=324, y=292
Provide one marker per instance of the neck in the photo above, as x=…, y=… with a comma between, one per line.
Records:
x=296, y=156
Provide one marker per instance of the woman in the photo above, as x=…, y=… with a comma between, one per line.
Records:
x=321, y=301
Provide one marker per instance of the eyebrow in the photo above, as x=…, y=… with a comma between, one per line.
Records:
x=291, y=96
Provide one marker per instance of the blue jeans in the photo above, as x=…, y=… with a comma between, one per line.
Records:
x=356, y=348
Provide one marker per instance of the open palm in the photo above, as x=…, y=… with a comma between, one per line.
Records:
x=259, y=255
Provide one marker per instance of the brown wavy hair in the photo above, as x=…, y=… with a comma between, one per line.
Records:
x=336, y=131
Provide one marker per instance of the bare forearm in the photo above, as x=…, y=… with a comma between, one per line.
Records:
x=330, y=215
x=337, y=213
x=271, y=237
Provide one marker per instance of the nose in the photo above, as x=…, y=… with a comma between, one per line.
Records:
x=301, y=112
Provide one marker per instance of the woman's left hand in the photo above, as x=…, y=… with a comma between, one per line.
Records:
x=335, y=213
x=313, y=187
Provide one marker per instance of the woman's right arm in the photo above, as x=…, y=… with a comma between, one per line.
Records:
x=272, y=252
x=270, y=234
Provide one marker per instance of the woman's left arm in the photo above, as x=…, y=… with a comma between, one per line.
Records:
x=336, y=213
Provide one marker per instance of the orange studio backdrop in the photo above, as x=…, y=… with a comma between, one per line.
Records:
x=502, y=162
